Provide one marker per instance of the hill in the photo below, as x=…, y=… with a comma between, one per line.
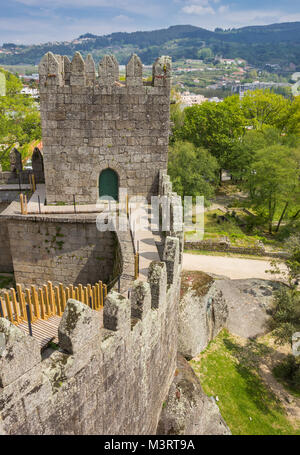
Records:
x=274, y=44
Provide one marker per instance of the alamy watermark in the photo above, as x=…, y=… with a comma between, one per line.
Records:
x=164, y=214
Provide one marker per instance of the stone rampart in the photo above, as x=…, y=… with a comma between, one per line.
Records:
x=111, y=373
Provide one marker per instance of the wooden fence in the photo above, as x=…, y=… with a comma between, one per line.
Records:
x=40, y=303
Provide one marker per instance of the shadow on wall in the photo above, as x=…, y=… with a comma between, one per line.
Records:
x=98, y=267
x=61, y=252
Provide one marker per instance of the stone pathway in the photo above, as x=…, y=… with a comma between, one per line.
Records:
x=234, y=268
x=15, y=187
x=145, y=241
x=34, y=206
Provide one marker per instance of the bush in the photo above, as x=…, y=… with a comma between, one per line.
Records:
x=285, y=315
x=289, y=371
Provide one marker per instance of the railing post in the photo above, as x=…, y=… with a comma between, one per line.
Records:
x=29, y=320
x=1, y=309
x=19, y=183
x=33, y=183
x=103, y=295
x=136, y=266
x=22, y=203
x=39, y=200
x=25, y=205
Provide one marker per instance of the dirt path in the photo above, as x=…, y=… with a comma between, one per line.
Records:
x=264, y=362
x=288, y=401
x=233, y=268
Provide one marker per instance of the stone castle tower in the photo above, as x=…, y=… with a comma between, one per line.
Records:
x=100, y=134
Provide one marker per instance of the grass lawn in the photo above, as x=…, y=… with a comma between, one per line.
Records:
x=230, y=255
x=215, y=228
x=6, y=281
x=245, y=402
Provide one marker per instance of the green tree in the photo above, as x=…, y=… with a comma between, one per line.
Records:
x=292, y=120
x=19, y=119
x=244, y=150
x=176, y=116
x=285, y=315
x=262, y=107
x=205, y=53
x=215, y=126
x=192, y=170
x=273, y=180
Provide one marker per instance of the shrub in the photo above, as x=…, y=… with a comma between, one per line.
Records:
x=289, y=371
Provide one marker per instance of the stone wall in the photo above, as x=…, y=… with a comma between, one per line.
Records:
x=60, y=250
x=92, y=123
x=109, y=380
x=8, y=195
x=12, y=178
x=6, y=265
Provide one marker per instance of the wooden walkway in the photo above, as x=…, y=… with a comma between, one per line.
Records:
x=44, y=306
x=44, y=331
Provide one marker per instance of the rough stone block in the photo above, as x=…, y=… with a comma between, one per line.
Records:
x=171, y=258
x=157, y=277
x=18, y=353
x=140, y=299
x=116, y=313
x=79, y=325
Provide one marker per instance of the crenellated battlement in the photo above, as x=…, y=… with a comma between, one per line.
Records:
x=59, y=71
x=111, y=372
x=92, y=121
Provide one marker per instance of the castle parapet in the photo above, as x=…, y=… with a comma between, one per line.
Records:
x=18, y=353
x=78, y=76
x=78, y=325
x=103, y=379
x=56, y=71
x=140, y=300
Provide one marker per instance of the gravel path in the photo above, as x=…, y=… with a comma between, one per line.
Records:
x=234, y=268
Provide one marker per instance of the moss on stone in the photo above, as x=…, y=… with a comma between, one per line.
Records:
x=199, y=282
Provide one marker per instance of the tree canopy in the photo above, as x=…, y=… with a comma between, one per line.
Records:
x=192, y=169
x=19, y=118
x=272, y=180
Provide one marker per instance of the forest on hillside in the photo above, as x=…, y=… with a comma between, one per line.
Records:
x=274, y=44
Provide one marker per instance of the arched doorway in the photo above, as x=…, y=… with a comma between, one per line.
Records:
x=109, y=184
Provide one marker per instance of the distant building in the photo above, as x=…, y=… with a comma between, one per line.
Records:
x=241, y=89
x=190, y=99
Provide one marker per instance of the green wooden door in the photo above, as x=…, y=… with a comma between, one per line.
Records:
x=108, y=184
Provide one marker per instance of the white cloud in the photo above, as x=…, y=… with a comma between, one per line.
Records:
x=257, y=17
x=223, y=9
x=31, y=31
x=132, y=6
x=228, y=16
x=198, y=9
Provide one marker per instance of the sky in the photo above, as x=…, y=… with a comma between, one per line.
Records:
x=41, y=21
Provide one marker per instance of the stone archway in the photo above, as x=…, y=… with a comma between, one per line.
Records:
x=109, y=184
